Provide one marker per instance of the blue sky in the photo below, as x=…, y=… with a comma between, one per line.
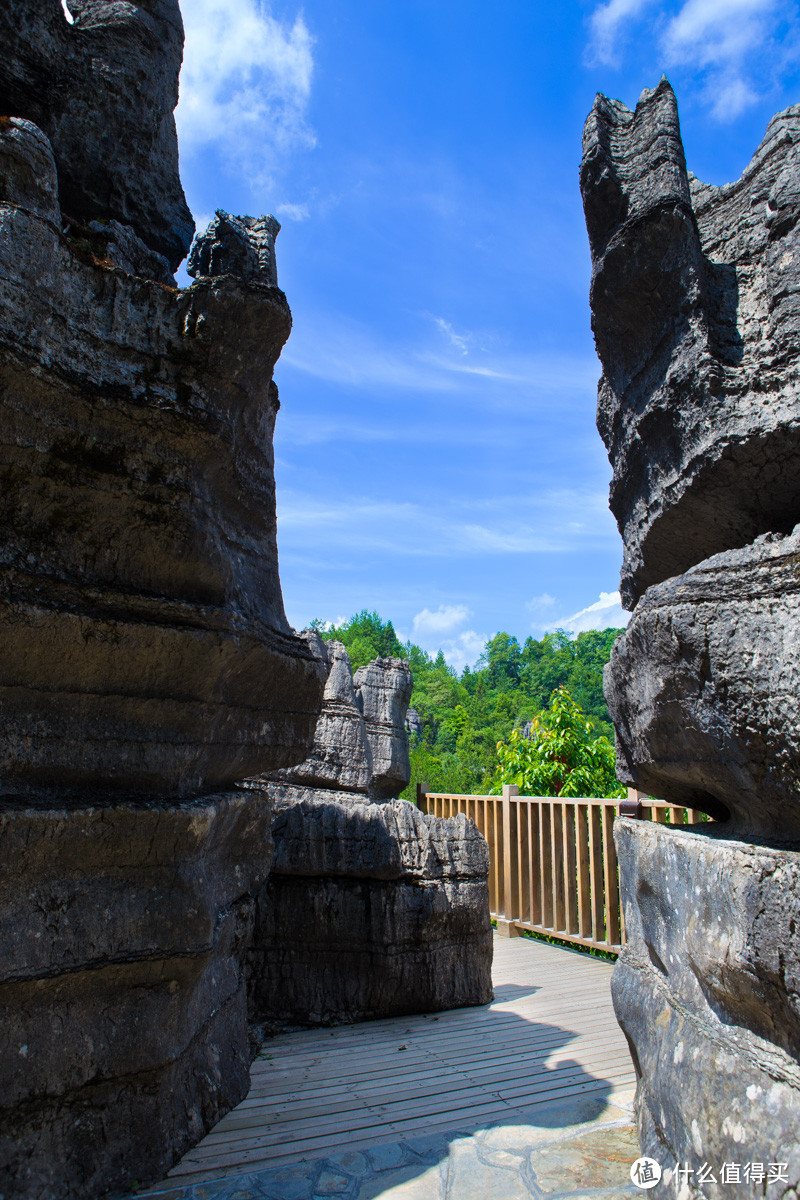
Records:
x=436, y=453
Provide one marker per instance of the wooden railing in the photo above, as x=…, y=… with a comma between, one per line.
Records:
x=553, y=865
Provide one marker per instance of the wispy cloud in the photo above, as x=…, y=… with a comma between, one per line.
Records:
x=245, y=83
x=447, y=618
x=541, y=609
x=292, y=212
x=606, y=613
x=609, y=25
x=459, y=340
x=728, y=49
x=545, y=522
x=338, y=349
x=722, y=37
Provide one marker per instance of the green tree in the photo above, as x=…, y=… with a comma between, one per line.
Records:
x=564, y=756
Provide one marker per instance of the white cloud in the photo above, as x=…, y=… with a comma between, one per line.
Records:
x=338, y=349
x=722, y=38
x=550, y=522
x=606, y=613
x=292, y=212
x=446, y=619
x=458, y=340
x=465, y=650
x=608, y=25
x=540, y=608
x=729, y=49
x=245, y=83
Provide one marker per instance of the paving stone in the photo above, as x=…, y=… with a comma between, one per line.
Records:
x=597, y=1159
x=471, y=1179
x=406, y=1184
x=331, y=1183
x=351, y=1162
x=518, y=1138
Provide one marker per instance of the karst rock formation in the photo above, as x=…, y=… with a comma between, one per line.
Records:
x=372, y=909
x=148, y=675
x=695, y=301
x=146, y=663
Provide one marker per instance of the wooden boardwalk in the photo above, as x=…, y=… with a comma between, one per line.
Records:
x=549, y=1038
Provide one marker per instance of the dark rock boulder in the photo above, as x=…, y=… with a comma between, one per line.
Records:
x=123, y=932
x=104, y=90
x=696, y=316
x=707, y=991
x=696, y=319
x=371, y=910
x=340, y=758
x=360, y=749
x=145, y=646
x=703, y=689
x=240, y=246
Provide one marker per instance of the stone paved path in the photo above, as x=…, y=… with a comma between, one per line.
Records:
x=556, y=1155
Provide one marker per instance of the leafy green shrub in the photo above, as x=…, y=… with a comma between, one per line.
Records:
x=564, y=755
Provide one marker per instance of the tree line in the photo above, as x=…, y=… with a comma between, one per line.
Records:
x=528, y=688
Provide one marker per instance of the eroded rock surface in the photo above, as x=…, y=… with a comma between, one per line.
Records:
x=703, y=689
x=696, y=316
x=123, y=932
x=383, y=690
x=360, y=749
x=103, y=90
x=145, y=657
x=370, y=910
x=707, y=990
x=145, y=646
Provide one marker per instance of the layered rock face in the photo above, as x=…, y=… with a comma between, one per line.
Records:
x=146, y=658
x=372, y=908
x=383, y=690
x=145, y=646
x=696, y=317
x=103, y=90
x=123, y=931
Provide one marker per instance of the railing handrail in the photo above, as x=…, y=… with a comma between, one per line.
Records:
x=553, y=863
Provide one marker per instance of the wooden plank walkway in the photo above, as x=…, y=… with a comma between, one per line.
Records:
x=549, y=1037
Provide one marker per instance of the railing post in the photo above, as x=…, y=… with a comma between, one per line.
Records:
x=632, y=807
x=505, y=924
x=422, y=789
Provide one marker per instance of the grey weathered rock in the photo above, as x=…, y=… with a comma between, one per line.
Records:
x=383, y=689
x=696, y=316
x=340, y=759
x=707, y=991
x=123, y=931
x=360, y=749
x=104, y=90
x=414, y=726
x=145, y=646
x=703, y=689
x=697, y=322
x=240, y=246
x=370, y=910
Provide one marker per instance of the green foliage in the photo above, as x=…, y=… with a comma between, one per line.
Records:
x=365, y=636
x=564, y=755
x=464, y=717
